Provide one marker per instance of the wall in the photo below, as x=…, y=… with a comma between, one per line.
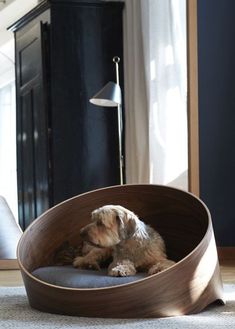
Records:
x=10, y=12
x=216, y=61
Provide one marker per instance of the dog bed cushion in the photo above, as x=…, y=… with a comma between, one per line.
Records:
x=68, y=276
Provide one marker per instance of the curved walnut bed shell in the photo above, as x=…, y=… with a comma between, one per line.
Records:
x=182, y=219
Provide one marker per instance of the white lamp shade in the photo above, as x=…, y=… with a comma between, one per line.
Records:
x=108, y=96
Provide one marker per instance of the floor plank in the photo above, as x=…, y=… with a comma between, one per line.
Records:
x=228, y=271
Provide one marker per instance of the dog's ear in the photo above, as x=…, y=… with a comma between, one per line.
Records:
x=127, y=225
x=131, y=227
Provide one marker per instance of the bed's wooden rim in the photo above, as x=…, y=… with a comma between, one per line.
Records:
x=208, y=231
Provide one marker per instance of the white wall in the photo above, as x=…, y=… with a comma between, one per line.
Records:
x=11, y=12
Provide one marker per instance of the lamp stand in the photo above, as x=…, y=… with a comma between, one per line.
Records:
x=116, y=60
x=111, y=96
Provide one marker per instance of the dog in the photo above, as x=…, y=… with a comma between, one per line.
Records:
x=117, y=233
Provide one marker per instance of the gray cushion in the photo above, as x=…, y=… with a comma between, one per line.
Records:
x=68, y=276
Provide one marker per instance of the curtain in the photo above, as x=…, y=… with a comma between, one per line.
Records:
x=156, y=92
x=136, y=108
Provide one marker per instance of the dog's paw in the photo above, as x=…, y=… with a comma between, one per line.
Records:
x=161, y=266
x=122, y=270
x=83, y=263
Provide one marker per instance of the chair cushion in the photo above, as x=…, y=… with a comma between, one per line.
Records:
x=68, y=276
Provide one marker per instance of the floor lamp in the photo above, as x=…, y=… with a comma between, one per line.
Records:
x=110, y=96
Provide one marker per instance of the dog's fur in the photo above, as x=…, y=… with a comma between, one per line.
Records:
x=134, y=246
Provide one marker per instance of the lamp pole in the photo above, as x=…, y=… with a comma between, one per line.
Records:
x=116, y=60
x=111, y=96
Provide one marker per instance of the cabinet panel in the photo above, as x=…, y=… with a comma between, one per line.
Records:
x=40, y=141
x=33, y=163
x=27, y=159
x=29, y=68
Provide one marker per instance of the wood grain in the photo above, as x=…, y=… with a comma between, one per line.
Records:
x=193, y=117
x=185, y=223
x=227, y=268
x=9, y=264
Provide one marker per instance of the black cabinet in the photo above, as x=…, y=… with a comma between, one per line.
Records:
x=65, y=145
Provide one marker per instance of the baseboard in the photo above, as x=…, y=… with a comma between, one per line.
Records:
x=226, y=253
x=9, y=264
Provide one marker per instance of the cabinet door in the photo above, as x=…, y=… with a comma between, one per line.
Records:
x=32, y=124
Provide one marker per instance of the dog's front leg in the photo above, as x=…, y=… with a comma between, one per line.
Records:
x=92, y=259
x=84, y=262
x=121, y=268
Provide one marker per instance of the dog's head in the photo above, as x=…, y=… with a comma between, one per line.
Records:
x=110, y=225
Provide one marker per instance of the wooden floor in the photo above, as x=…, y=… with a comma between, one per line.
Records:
x=13, y=278
x=10, y=278
x=228, y=271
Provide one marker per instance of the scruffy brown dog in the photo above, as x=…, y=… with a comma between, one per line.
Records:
x=134, y=246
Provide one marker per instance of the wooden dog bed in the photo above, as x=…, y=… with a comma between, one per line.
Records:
x=183, y=221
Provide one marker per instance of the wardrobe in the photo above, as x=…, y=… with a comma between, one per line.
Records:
x=65, y=145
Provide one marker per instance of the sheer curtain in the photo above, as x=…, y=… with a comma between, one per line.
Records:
x=136, y=103
x=156, y=92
